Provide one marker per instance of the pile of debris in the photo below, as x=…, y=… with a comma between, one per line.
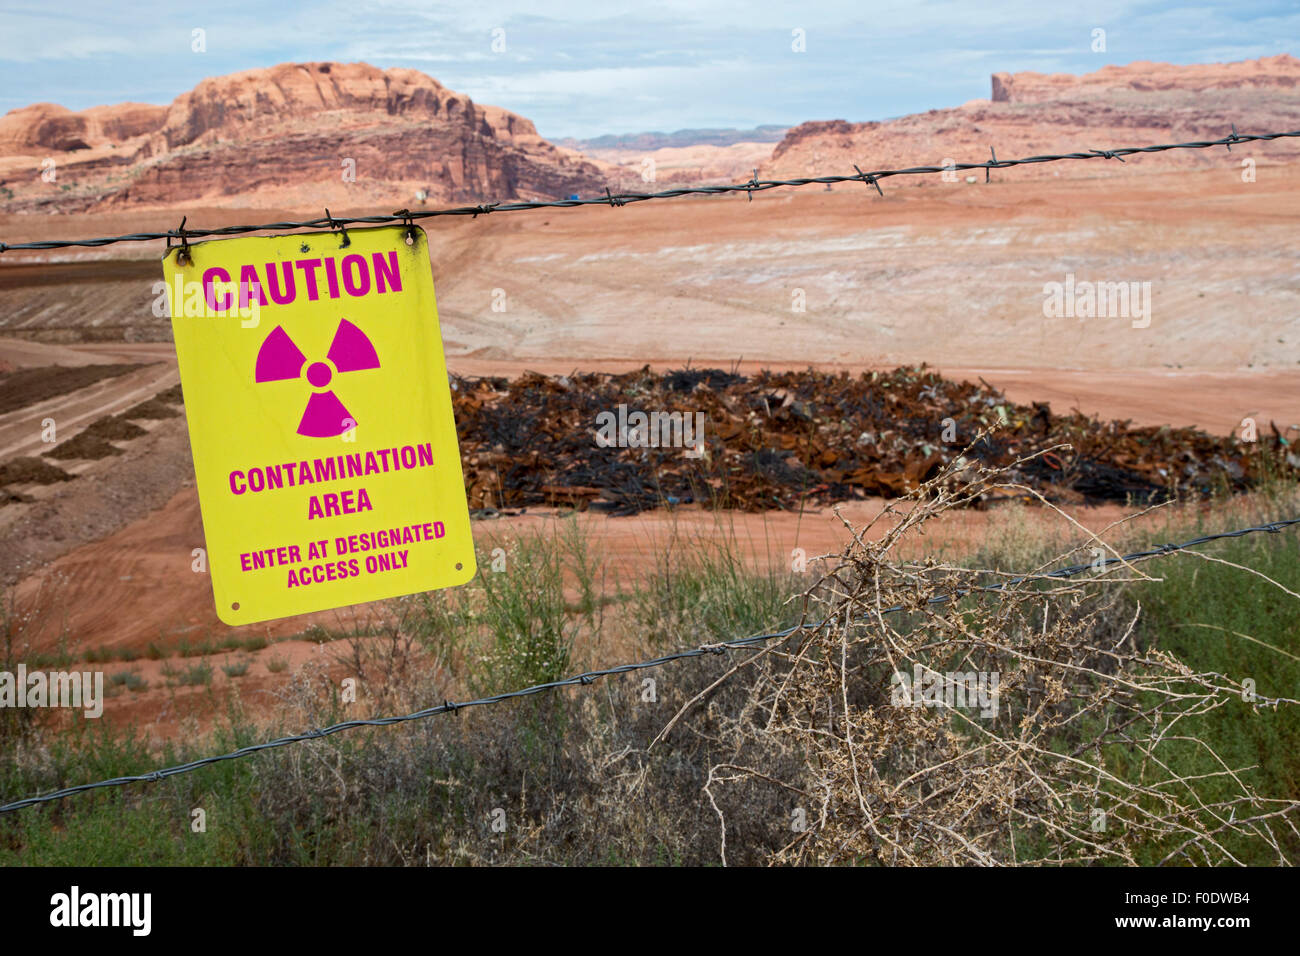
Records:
x=777, y=440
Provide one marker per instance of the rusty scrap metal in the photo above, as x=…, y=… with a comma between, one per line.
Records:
x=782, y=439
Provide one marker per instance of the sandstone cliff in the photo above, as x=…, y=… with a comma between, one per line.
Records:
x=293, y=136
x=1032, y=113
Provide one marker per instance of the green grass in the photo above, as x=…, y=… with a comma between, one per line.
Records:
x=1220, y=619
x=706, y=590
x=128, y=679
x=1214, y=618
x=194, y=675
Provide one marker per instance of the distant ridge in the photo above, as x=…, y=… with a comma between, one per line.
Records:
x=683, y=137
x=1029, y=114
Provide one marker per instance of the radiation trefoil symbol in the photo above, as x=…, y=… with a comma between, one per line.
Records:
x=279, y=359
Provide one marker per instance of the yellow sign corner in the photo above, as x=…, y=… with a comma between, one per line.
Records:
x=320, y=420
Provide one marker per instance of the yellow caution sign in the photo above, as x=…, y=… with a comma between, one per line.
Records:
x=320, y=419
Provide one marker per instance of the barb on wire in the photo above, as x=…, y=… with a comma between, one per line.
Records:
x=590, y=677
x=869, y=179
x=335, y=224
x=183, y=256
x=754, y=185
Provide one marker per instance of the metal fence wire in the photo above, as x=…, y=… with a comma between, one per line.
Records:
x=589, y=677
x=871, y=178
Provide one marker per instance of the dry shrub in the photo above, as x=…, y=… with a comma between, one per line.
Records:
x=1069, y=761
x=567, y=772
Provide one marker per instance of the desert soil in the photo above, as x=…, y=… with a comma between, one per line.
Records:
x=951, y=275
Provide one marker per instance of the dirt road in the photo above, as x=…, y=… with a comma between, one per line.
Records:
x=21, y=430
x=949, y=274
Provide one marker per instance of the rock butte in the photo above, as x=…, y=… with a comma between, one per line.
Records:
x=282, y=133
x=1032, y=114
x=284, y=137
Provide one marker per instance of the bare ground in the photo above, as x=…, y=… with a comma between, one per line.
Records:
x=951, y=276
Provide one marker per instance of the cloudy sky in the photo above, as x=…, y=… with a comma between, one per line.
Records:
x=606, y=66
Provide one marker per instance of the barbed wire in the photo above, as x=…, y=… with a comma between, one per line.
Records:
x=871, y=178
x=590, y=677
